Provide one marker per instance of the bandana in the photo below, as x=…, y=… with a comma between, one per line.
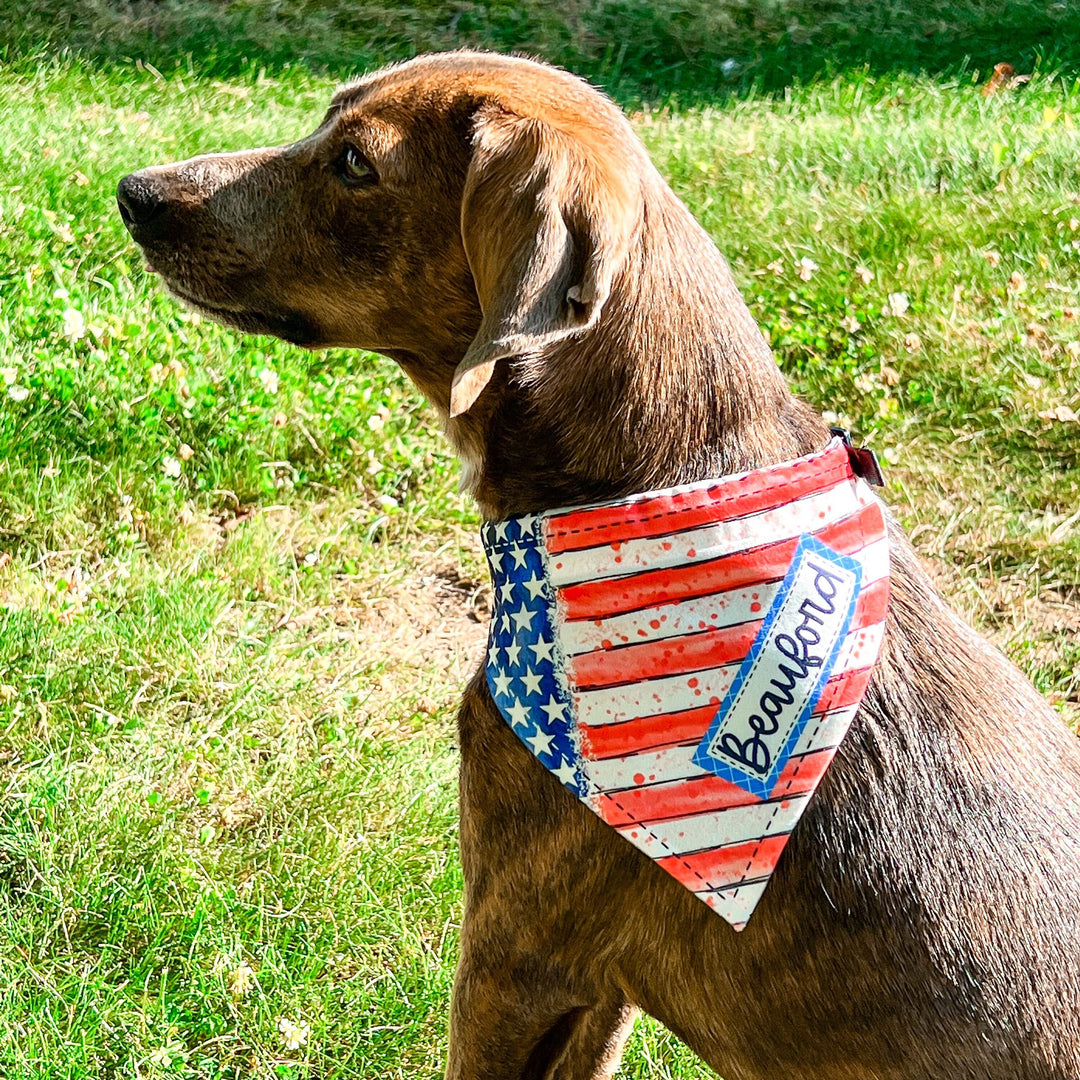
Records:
x=687, y=662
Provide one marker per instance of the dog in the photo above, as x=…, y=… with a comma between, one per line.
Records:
x=494, y=225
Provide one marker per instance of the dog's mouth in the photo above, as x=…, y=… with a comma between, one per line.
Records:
x=291, y=326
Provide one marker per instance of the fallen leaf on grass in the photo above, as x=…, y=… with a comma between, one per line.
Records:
x=1004, y=77
x=999, y=79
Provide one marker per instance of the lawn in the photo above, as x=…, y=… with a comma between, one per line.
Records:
x=239, y=592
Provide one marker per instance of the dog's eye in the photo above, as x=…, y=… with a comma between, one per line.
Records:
x=354, y=169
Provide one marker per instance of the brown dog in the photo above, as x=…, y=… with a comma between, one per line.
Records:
x=495, y=226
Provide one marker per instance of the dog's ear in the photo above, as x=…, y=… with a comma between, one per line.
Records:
x=547, y=219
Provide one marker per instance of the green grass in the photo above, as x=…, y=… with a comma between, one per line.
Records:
x=227, y=677
x=695, y=49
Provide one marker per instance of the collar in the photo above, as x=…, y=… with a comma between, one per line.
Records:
x=687, y=661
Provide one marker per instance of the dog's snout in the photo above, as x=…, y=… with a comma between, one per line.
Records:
x=143, y=205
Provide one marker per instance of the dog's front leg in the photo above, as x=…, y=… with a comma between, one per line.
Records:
x=529, y=1003
x=595, y=1046
x=502, y=1029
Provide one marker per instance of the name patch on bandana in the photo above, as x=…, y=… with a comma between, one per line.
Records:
x=785, y=672
x=686, y=662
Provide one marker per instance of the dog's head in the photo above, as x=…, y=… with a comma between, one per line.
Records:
x=448, y=212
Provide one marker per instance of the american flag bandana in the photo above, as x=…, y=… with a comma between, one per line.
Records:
x=686, y=662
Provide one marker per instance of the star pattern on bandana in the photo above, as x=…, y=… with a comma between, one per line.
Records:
x=524, y=671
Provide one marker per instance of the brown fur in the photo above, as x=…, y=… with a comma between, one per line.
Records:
x=533, y=274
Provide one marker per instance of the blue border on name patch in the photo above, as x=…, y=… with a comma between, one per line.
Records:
x=755, y=784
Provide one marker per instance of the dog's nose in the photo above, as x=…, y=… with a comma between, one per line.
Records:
x=143, y=205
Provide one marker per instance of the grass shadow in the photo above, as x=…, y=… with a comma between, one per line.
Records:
x=638, y=49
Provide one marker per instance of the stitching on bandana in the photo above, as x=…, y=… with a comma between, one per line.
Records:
x=764, y=837
x=671, y=854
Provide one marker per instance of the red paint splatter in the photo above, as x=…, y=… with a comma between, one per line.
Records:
x=639, y=778
x=654, y=623
x=605, y=644
x=692, y=683
x=755, y=607
x=692, y=553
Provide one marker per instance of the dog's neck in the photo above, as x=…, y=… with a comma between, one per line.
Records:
x=674, y=383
